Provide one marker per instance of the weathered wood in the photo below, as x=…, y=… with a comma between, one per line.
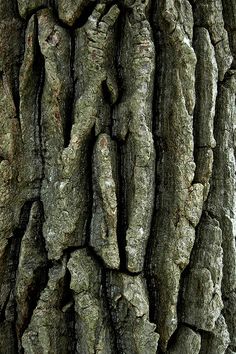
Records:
x=117, y=177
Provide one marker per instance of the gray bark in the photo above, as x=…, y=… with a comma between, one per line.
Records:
x=117, y=177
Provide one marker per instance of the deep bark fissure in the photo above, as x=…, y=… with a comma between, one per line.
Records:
x=90, y=185
x=18, y=234
x=34, y=12
x=220, y=216
x=184, y=275
x=104, y=283
x=40, y=277
x=41, y=148
x=40, y=64
x=108, y=182
x=117, y=59
x=67, y=306
x=85, y=13
x=121, y=204
x=16, y=70
x=39, y=284
x=70, y=101
x=158, y=151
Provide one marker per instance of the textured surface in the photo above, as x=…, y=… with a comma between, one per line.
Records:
x=117, y=177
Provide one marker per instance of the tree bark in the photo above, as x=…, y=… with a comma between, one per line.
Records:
x=117, y=176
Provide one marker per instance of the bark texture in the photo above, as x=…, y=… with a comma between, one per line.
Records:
x=117, y=176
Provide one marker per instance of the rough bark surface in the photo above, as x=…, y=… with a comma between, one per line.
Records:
x=117, y=176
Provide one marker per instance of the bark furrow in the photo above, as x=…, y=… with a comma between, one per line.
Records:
x=117, y=177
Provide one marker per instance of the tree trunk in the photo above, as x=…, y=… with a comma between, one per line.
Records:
x=117, y=177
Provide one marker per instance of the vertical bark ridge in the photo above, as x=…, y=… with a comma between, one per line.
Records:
x=121, y=194
x=180, y=200
x=31, y=83
x=11, y=207
x=117, y=166
x=228, y=286
x=130, y=313
x=224, y=211
x=217, y=337
x=158, y=157
x=9, y=271
x=31, y=277
x=133, y=127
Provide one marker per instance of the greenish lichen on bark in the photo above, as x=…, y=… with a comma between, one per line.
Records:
x=117, y=176
x=187, y=340
x=93, y=333
x=103, y=236
x=130, y=311
x=133, y=125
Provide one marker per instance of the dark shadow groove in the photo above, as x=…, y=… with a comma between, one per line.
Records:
x=149, y=270
x=107, y=305
x=180, y=305
x=121, y=207
x=106, y=93
x=34, y=12
x=173, y=339
x=95, y=256
x=40, y=66
x=16, y=64
x=41, y=144
x=67, y=305
x=121, y=182
x=85, y=13
x=70, y=104
x=40, y=277
x=14, y=253
x=15, y=8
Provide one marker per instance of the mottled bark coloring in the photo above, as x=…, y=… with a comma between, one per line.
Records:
x=117, y=177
